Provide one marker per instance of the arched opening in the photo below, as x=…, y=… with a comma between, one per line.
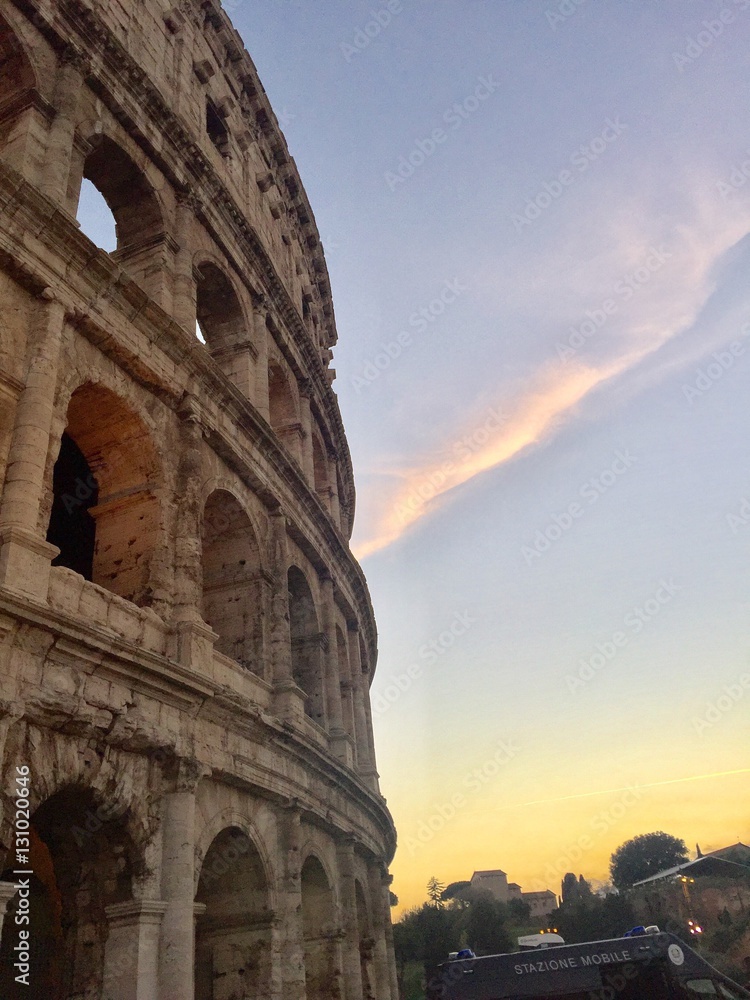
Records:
x=366, y=944
x=280, y=399
x=105, y=515
x=233, y=955
x=216, y=127
x=83, y=861
x=307, y=651
x=23, y=124
x=130, y=197
x=218, y=309
x=134, y=205
x=232, y=599
x=322, y=980
x=282, y=408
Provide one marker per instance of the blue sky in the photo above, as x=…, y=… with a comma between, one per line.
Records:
x=571, y=215
x=542, y=363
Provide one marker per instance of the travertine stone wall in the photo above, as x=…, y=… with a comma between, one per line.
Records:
x=186, y=642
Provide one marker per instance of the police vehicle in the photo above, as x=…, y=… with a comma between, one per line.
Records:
x=638, y=966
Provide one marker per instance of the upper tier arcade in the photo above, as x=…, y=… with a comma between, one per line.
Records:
x=212, y=219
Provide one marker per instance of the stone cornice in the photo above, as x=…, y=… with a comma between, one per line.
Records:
x=94, y=649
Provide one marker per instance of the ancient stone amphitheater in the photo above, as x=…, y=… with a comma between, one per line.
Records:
x=187, y=642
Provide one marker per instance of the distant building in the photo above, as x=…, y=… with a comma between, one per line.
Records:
x=542, y=903
x=495, y=882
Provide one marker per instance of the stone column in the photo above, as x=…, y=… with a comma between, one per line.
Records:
x=339, y=739
x=61, y=136
x=307, y=462
x=260, y=339
x=365, y=762
x=177, y=945
x=383, y=960
x=131, y=956
x=372, y=773
x=292, y=952
x=7, y=892
x=25, y=556
x=350, y=944
x=192, y=641
x=183, y=284
x=289, y=699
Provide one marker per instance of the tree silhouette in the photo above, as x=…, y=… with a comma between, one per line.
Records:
x=645, y=855
x=435, y=890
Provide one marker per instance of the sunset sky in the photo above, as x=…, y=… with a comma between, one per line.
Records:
x=536, y=220
x=562, y=262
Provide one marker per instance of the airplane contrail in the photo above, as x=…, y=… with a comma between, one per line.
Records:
x=627, y=788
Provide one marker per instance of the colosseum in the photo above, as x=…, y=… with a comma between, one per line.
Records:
x=189, y=804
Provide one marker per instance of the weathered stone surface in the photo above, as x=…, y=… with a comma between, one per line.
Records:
x=186, y=642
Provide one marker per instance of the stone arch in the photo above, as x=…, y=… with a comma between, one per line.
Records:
x=232, y=580
x=366, y=942
x=283, y=413
x=307, y=649
x=105, y=515
x=219, y=311
x=319, y=932
x=83, y=861
x=233, y=953
x=126, y=189
x=134, y=203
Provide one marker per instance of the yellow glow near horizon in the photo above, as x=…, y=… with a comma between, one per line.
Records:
x=539, y=849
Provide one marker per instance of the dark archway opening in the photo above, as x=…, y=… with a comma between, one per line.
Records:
x=104, y=484
x=233, y=957
x=322, y=979
x=71, y=527
x=82, y=862
x=232, y=595
x=217, y=130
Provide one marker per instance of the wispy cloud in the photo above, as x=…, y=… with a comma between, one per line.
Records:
x=553, y=394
